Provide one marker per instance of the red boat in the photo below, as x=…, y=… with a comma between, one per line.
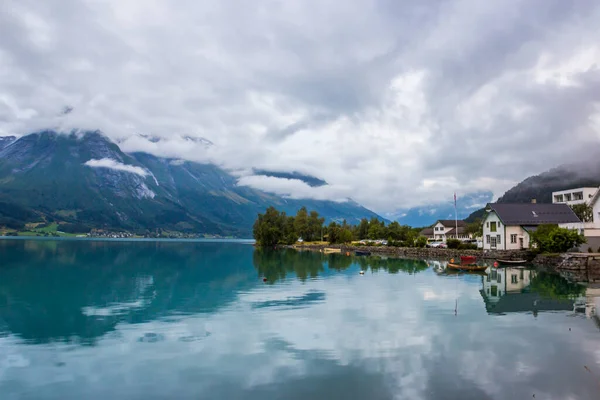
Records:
x=467, y=259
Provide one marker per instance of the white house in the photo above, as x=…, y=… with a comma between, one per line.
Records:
x=587, y=195
x=508, y=226
x=574, y=196
x=501, y=281
x=445, y=229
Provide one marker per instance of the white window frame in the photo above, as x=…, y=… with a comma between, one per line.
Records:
x=513, y=238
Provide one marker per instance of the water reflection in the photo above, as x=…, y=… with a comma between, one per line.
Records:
x=72, y=290
x=147, y=320
x=277, y=265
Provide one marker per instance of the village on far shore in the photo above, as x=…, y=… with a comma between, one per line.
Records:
x=509, y=226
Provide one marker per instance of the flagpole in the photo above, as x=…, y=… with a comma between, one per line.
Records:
x=455, y=218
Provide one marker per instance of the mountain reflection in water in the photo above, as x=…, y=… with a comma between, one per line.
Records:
x=122, y=320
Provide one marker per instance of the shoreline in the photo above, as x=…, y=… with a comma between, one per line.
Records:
x=421, y=252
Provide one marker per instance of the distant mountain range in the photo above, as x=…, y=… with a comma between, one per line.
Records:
x=538, y=187
x=427, y=215
x=85, y=178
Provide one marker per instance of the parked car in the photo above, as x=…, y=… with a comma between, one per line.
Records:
x=441, y=245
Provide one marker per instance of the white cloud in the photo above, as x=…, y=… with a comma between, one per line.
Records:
x=398, y=103
x=117, y=166
x=295, y=188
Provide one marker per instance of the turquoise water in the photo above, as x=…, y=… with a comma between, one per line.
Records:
x=195, y=320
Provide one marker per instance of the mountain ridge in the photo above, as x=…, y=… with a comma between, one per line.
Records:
x=85, y=178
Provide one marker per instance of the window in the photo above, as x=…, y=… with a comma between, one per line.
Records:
x=488, y=279
x=499, y=224
x=494, y=274
x=499, y=239
x=487, y=239
x=568, y=197
x=578, y=196
x=514, y=278
x=493, y=226
x=558, y=198
x=487, y=224
x=521, y=273
x=499, y=278
x=513, y=238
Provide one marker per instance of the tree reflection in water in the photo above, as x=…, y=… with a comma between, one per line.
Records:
x=275, y=265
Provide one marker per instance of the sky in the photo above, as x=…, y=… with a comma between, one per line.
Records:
x=393, y=104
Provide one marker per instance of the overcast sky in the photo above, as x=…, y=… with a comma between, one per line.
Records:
x=395, y=104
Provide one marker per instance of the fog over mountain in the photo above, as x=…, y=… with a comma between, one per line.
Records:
x=396, y=105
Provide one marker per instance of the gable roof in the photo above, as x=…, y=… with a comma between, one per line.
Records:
x=427, y=232
x=461, y=231
x=534, y=213
x=450, y=223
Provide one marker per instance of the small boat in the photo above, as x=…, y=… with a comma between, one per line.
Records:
x=468, y=259
x=362, y=253
x=329, y=250
x=458, y=267
x=511, y=262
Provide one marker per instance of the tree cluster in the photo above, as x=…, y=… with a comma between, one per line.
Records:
x=275, y=227
x=552, y=239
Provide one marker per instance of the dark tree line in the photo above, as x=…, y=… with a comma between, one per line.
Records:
x=275, y=227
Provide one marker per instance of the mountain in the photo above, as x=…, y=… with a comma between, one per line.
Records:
x=85, y=178
x=427, y=215
x=540, y=187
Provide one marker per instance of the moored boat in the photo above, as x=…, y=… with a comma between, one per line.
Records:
x=457, y=267
x=329, y=250
x=362, y=253
x=468, y=259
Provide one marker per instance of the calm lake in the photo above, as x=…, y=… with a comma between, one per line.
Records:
x=195, y=320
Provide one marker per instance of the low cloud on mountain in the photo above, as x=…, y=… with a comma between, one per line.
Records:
x=117, y=166
x=395, y=104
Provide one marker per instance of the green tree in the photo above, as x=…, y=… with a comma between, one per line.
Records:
x=315, y=225
x=395, y=231
x=421, y=241
x=268, y=228
x=345, y=235
x=333, y=233
x=475, y=228
x=363, y=229
x=584, y=212
x=289, y=231
x=301, y=224
x=376, y=229
x=552, y=239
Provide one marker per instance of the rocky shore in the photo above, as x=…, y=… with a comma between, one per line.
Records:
x=577, y=267
x=424, y=252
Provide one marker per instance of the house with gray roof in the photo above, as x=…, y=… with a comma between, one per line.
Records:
x=445, y=229
x=508, y=226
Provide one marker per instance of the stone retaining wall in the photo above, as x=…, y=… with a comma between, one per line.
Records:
x=425, y=253
x=578, y=267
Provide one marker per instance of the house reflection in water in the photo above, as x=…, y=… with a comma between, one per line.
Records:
x=506, y=290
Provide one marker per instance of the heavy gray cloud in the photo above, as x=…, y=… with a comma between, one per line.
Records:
x=395, y=104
